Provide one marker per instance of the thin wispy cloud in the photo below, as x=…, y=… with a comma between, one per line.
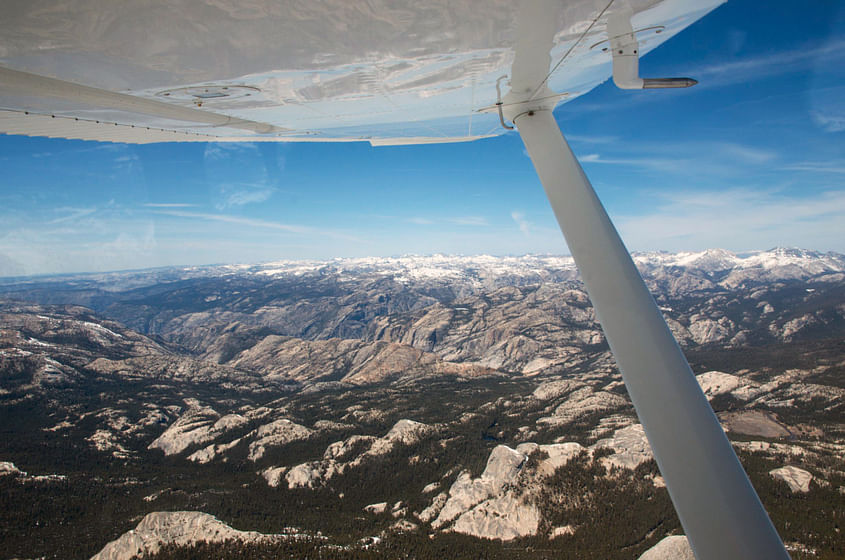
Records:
x=73, y=214
x=656, y=164
x=835, y=168
x=524, y=225
x=229, y=150
x=745, y=154
x=239, y=220
x=716, y=158
x=782, y=62
x=245, y=196
x=169, y=205
x=470, y=221
x=598, y=139
x=737, y=219
x=258, y=223
x=830, y=121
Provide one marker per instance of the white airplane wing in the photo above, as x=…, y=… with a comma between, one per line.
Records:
x=388, y=72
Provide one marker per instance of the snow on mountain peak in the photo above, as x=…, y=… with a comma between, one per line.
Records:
x=489, y=270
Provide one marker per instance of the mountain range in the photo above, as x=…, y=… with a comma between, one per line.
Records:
x=410, y=403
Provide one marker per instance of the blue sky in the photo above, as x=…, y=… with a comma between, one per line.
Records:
x=751, y=158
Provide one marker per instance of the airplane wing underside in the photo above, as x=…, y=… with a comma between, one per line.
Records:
x=223, y=70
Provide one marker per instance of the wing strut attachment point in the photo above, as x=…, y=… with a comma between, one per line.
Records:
x=626, y=57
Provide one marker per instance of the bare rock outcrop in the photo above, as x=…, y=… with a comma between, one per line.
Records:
x=754, y=423
x=502, y=468
x=630, y=446
x=176, y=527
x=504, y=517
x=434, y=508
x=339, y=456
x=714, y=383
x=276, y=433
x=200, y=424
x=705, y=330
x=582, y=402
x=798, y=479
x=673, y=547
x=554, y=389
x=498, y=504
x=482, y=507
x=356, y=361
x=376, y=509
x=7, y=467
x=211, y=452
x=274, y=475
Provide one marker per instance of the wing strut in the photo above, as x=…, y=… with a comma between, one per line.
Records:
x=718, y=508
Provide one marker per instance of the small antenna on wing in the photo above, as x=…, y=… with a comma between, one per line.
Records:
x=626, y=57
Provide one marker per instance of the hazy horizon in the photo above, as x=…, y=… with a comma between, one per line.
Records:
x=304, y=260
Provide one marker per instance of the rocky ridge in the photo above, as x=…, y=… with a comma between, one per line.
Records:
x=173, y=527
x=346, y=454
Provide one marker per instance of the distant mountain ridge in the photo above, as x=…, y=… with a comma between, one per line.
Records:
x=444, y=267
x=368, y=319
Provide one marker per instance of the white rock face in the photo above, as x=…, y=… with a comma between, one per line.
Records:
x=209, y=453
x=342, y=450
x=430, y=487
x=774, y=448
x=558, y=455
x=630, y=445
x=308, y=475
x=715, y=383
x=337, y=457
x=376, y=509
x=178, y=527
x=793, y=327
x=502, y=467
x=404, y=526
x=279, y=432
x=434, y=508
x=797, y=479
x=554, y=389
x=273, y=475
x=7, y=467
x=200, y=424
x=498, y=505
x=704, y=330
x=505, y=517
x=562, y=531
x=581, y=402
x=404, y=432
x=104, y=440
x=673, y=547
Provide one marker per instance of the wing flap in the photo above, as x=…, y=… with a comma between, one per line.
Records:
x=72, y=128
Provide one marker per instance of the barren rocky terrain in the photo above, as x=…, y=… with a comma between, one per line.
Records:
x=421, y=404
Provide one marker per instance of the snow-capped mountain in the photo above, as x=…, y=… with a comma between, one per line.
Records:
x=538, y=267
